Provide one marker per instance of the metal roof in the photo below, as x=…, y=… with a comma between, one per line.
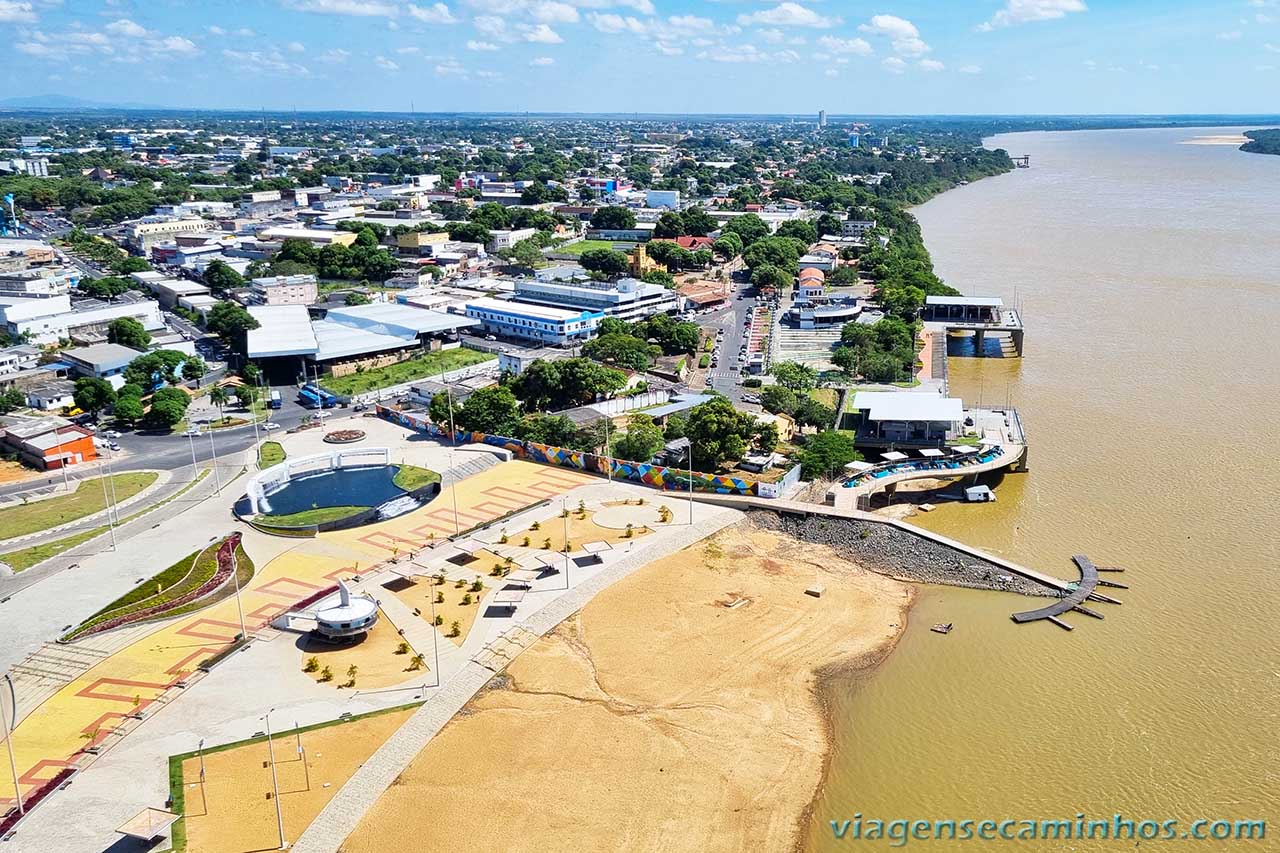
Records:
x=282, y=330
x=908, y=406
x=969, y=301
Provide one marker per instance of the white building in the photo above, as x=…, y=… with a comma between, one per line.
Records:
x=534, y=322
x=627, y=299
x=143, y=235
x=662, y=198
x=284, y=290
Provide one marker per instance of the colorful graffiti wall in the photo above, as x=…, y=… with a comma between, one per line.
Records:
x=655, y=476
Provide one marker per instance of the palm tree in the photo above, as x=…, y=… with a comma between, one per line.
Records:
x=219, y=397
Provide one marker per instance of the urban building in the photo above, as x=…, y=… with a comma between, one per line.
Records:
x=284, y=290
x=103, y=361
x=627, y=299
x=143, y=235
x=669, y=199
x=541, y=323
x=47, y=443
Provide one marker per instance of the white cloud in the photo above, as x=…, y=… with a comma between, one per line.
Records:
x=691, y=23
x=541, y=34
x=127, y=28
x=1264, y=68
x=337, y=56
x=450, y=68
x=244, y=33
x=831, y=72
x=216, y=31
x=355, y=8
x=542, y=61
x=931, y=65
x=1025, y=11
x=894, y=64
x=408, y=50
x=481, y=45
x=668, y=49
x=385, y=64
x=1274, y=48
x=436, y=13
x=853, y=46
x=552, y=12
x=255, y=62
x=296, y=47
x=747, y=53
x=772, y=36
x=970, y=69
x=16, y=13
x=176, y=46
x=902, y=34
x=1233, y=35
x=788, y=15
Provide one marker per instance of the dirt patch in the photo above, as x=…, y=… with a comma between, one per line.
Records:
x=375, y=658
x=677, y=711
x=232, y=811
x=452, y=609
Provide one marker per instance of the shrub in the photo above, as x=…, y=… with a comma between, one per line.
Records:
x=502, y=540
x=476, y=585
x=466, y=598
x=403, y=648
x=459, y=583
x=546, y=544
x=439, y=598
x=455, y=629
x=537, y=525
x=326, y=674
x=417, y=662
x=313, y=664
x=525, y=542
x=439, y=620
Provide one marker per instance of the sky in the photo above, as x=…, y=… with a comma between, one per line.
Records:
x=670, y=56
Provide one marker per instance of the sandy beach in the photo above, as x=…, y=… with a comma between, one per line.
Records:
x=1232, y=139
x=659, y=717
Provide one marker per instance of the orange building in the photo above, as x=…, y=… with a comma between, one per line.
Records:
x=48, y=443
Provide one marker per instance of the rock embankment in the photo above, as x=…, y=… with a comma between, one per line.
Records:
x=889, y=550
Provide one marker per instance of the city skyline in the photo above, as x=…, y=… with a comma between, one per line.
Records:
x=615, y=56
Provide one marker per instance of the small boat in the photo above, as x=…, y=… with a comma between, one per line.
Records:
x=942, y=628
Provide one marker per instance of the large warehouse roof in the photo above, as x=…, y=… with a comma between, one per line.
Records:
x=282, y=330
x=393, y=319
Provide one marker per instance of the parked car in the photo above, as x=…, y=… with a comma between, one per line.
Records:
x=115, y=445
x=270, y=425
x=111, y=434
x=192, y=430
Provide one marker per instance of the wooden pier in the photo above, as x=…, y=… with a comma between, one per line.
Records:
x=1074, y=600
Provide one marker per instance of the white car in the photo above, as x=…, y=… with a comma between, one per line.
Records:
x=192, y=430
x=111, y=434
x=270, y=425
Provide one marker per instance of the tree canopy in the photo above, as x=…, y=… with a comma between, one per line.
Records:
x=128, y=332
x=613, y=218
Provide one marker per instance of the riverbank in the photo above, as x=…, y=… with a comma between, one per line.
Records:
x=681, y=709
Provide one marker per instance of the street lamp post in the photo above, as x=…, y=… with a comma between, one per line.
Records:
x=275, y=784
x=435, y=639
x=217, y=480
x=302, y=753
x=106, y=499
x=564, y=516
x=8, y=740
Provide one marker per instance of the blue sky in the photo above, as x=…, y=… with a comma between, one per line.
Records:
x=888, y=56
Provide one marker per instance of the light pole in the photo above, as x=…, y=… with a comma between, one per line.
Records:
x=275, y=783
x=302, y=753
x=217, y=480
x=106, y=499
x=192, y=442
x=453, y=492
x=235, y=579
x=564, y=516
x=690, y=483
x=8, y=740
x=435, y=638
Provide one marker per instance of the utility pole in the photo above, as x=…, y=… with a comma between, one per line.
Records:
x=8, y=740
x=275, y=784
x=107, y=500
x=564, y=516
x=217, y=480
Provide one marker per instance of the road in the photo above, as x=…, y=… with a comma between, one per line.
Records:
x=726, y=377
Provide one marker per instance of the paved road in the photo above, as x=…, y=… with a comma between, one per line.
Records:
x=726, y=377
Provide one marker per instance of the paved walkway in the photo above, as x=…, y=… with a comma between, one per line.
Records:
x=144, y=676
x=94, y=520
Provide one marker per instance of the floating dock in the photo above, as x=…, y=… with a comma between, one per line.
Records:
x=1074, y=600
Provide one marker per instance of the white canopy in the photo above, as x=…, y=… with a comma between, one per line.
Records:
x=858, y=465
x=894, y=456
x=964, y=449
x=596, y=547
x=930, y=452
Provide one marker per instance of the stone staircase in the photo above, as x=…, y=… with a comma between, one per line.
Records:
x=468, y=464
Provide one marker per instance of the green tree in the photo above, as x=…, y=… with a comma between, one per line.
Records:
x=221, y=277
x=470, y=232
x=494, y=410
x=232, y=323
x=10, y=399
x=553, y=430
x=699, y=223
x=621, y=350
x=798, y=229
x=219, y=396
x=527, y=252
x=669, y=224
x=355, y=297
x=719, y=432
x=127, y=410
x=828, y=223
x=826, y=454
x=491, y=215
x=781, y=252
x=809, y=412
x=168, y=406
x=124, y=266
x=794, y=375
x=641, y=442
x=128, y=332
x=94, y=394
x=613, y=218
x=605, y=261
x=440, y=406
x=777, y=398
x=728, y=245
x=770, y=277
x=194, y=368
x=748, y=227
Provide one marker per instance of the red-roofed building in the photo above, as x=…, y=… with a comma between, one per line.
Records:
x=695, y=243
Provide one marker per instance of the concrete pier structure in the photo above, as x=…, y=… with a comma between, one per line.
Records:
x=977, y=314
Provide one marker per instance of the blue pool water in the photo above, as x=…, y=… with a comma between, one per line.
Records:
x=345, y=487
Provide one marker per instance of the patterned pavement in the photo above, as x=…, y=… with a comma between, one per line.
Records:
x=87, y=711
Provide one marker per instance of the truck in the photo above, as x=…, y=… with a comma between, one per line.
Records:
x=276, y=401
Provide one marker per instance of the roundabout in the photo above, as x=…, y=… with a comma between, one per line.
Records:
x=344, y=436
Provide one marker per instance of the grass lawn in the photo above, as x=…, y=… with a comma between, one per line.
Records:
x=582, y=246
x=825, y=396
x=27, y=557
x=309, y=516
x=411, y=477
x=271, y=453
x=430, y=364
x=86, y=500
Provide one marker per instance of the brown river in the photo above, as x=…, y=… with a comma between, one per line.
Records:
x=1148, y=275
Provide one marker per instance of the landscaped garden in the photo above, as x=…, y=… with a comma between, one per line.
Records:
x=422, y=367
x=411, y=477
x=192, y=583
x=271, y=453
x=344, y=436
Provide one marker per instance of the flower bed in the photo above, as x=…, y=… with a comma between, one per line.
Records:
x=344, y=436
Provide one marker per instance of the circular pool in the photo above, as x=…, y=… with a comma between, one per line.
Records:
x=333, y=491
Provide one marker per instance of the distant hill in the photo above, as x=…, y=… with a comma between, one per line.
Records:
x=64, y=102
x=1262, y=141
